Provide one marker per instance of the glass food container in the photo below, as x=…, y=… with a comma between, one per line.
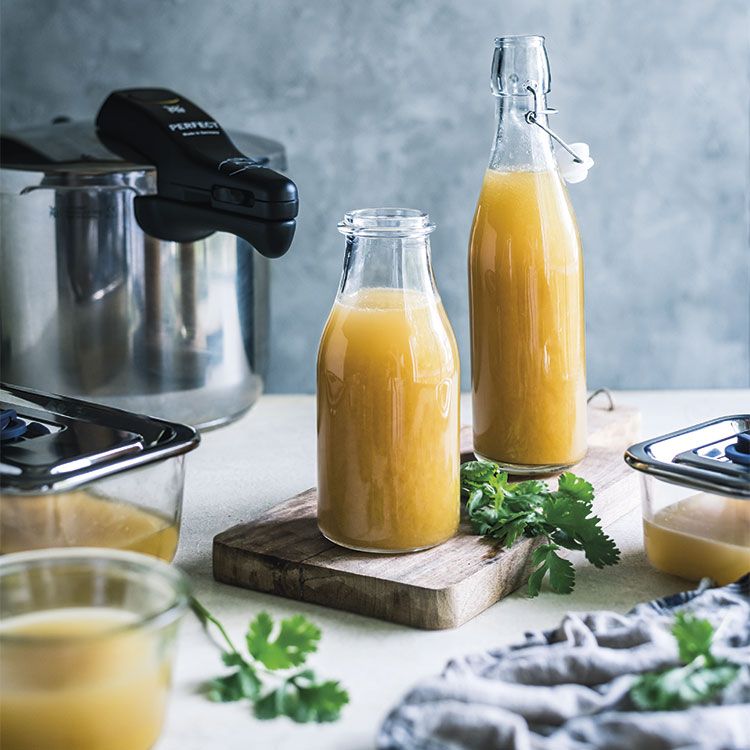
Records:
x=87, y=639
x=696, y=499
x=76, y=474
x=388, y=393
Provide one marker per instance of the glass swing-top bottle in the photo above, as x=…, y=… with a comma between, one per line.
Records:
x=526, y=283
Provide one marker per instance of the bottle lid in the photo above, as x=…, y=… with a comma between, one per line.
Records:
x=712, y=456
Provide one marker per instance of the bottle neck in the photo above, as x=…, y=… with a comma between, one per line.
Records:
x=520, y=145
x=387, y=262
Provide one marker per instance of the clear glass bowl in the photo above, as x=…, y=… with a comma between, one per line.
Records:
x=695, y=534
x=136, y=510
x=87, y=639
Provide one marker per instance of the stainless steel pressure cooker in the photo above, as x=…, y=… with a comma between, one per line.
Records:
x=127, y=249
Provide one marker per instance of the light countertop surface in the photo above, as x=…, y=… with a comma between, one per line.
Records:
x=268, y=456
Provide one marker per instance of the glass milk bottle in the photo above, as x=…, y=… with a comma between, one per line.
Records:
x=526, y=283
x=388, y=393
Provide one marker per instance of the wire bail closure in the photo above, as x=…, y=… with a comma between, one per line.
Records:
x=532, y=117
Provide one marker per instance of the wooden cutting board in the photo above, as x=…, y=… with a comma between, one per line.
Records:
x=282, y=552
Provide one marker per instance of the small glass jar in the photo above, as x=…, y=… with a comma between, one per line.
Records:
x=388, y=393
x=696, y=500
x=87, y=639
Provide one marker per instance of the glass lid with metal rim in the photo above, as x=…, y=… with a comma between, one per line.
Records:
x=52, y=443
x=712, y=456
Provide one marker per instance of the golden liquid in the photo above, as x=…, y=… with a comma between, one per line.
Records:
x=80, y=519
x=703, y=535
x=91, y=691
x=388, y=422
x=527, y=326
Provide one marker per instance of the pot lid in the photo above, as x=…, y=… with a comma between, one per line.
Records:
x=74, y=147
x=53, y=443
x=712, y=456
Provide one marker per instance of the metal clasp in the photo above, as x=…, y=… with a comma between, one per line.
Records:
x=532, y=117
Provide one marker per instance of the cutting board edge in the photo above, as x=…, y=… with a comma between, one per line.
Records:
x=443, y=607
x=292, y=580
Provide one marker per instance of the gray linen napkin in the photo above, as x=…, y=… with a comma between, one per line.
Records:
x=567, y=688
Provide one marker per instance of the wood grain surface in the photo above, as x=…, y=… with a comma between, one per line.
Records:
x=282, y=552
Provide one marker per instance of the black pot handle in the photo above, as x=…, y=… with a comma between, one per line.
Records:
x=204, y=184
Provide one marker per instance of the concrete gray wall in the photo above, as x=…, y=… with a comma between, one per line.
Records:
x=386, y=102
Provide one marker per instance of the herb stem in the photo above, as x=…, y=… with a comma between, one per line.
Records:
x=205, y=618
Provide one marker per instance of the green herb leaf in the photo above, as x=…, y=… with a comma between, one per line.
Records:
x=573, y=526
x=232, y=659
x=243, y=683
x=271, y=705
x=535, y=581
x=477, y=474
x=321, y=702
x=296, y=639
x=513, y=528
x=576, y=488
x=303, y=699
x=562, y=575
x=682, y=687
x=561, y=571
x=693, y=635
x=700, y=679
x=506, y=511
x=527, y=494
x=299, y=696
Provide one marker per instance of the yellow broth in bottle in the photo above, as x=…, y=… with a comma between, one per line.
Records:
x=527, y=325
x=388, y=422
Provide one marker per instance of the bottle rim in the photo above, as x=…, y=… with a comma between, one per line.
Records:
x=388, y=222
x=529, y=40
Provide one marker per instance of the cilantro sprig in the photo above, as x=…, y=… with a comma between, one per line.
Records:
x=506, y=511
x=264, y=676
x=701, y=676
